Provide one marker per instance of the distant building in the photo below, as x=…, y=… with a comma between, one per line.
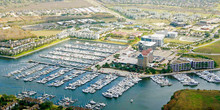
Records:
x=158, y=38
x=178, y=24
x=145, y=57
x=168, y=34
x=180, y=65
x=144, y=45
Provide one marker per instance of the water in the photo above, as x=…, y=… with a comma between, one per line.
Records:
x=147, y=95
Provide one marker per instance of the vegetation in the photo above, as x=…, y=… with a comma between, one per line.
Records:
x=194, y=100
x=135, y=68
x=5, y=99
x=212, y=48
x=14, y=33
x=25, y=104
x=117, y=56
x=114, y=36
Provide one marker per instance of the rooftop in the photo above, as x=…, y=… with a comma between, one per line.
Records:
x=146, y=52
x=155, y=36
x=180, y=61
x=146, y=43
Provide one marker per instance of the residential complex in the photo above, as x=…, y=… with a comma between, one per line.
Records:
x=188, y=64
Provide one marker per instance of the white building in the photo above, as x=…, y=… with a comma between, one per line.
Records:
x=168, y=34
x=158, y=38
x=144, y=45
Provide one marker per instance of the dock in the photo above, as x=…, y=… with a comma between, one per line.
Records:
x=51, y=64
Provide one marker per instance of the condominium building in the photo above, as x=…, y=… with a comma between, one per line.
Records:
x=194, y=63
x=180, y=65
x=200, y=63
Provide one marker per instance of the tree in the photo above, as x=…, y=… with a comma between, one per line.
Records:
x=207, y=34
x=117, y=56
x=98, y=67
x=46, y=105
x=216, y=36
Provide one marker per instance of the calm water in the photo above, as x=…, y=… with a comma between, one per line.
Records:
x=147, y=95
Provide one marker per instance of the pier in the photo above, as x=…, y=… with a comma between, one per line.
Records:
x=51, y=64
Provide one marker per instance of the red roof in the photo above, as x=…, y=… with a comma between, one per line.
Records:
x=146, y=52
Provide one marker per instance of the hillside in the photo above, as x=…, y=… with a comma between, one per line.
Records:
x=194, y=100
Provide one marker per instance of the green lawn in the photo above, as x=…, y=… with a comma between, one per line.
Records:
x=194, y=100
x=212, y=48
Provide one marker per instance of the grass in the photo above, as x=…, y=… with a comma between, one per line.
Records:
x=168, y=40
x=38, y=48
x=212, y=48
x=45, y=33
x=194, y=100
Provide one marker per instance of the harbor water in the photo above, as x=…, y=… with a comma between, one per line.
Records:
x=146, y=95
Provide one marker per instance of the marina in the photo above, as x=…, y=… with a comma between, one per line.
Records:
x=208, y=76
x=185, y=80
x=161, y=80
x=82, y=81
x=66, y=78
x=100, y=84
x=47, y=71
x=121, y=87
x=124, y=89
x=66, y=101
x=95, y=105
x=26, y=94
x=53, y=76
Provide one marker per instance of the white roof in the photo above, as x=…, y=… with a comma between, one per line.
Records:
x=146, y=43
x=155, y=36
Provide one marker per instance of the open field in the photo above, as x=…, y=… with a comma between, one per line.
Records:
x=47, y=5
x=168, y=40
x=194, y=100
x=14, y=33
x=45, y=33
x=212, y=48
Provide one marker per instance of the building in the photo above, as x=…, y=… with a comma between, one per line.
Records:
x=180, y=65
x=194, y=63
x=158, y=38
x=168, y=34
x=199, y=63
x=145, y=57
x=144, y=45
